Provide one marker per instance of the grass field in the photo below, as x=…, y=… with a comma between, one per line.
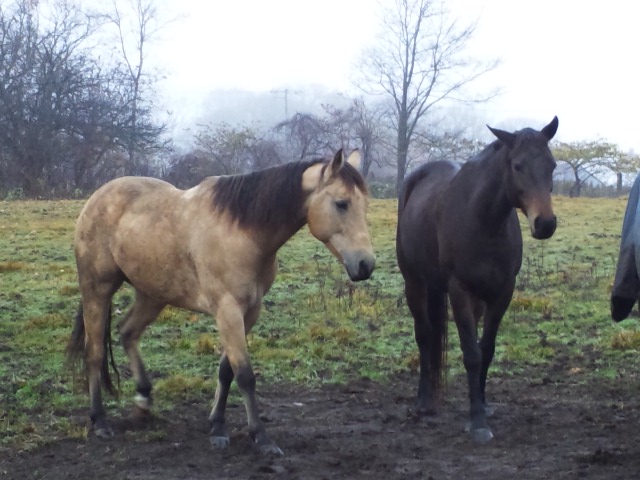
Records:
x=316, y=326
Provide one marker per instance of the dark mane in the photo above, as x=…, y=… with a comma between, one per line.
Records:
x=352, y=178
x=524, y=135
x=529, y=135
x=271, y=197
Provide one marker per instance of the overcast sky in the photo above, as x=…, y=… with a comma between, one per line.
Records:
x=575, y=59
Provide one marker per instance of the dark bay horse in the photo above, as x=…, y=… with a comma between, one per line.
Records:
x=209, y=249
x=458, y=236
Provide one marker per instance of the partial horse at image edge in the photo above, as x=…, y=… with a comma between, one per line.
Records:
x=626, y=284
x=209, y=249
x=459, y=240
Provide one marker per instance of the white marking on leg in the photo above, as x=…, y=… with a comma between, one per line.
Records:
x=143, y=402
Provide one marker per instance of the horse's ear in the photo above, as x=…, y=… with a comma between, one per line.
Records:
x=550, y=130
x=337, y=163
x=354, y=159
x=508, y=138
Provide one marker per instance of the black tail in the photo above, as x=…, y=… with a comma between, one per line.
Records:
x=437, y=305
x=76, y=352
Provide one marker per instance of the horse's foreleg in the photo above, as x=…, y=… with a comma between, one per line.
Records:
x=492, y=318
x=218, y=435
x=142, y=313
x=233, y=327
x=463, y=313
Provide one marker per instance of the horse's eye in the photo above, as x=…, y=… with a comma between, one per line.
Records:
x=342, y=205
x=518, y=167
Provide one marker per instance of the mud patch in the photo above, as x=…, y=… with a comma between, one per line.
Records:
x=559, y=428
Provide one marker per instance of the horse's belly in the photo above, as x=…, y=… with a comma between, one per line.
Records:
x=159, y=282
x=163, y=273
x=487, y=279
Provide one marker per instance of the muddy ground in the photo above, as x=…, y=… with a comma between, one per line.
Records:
x=552, y=427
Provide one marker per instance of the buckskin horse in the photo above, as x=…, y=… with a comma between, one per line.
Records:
x=458, y=236
x=209, y=249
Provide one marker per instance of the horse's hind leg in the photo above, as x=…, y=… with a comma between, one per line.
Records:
x=96, y=310
x=428, y=308
x=142, y=313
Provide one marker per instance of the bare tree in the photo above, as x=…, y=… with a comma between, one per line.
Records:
x=450, y=145
x=418, y=62
x=65, y=116
x=45, y=80
x=357, y=126
x=229, y=150
x=623, y=163
x=587, y=161
x=137, y=22
x=307, y=135
x=189, y=169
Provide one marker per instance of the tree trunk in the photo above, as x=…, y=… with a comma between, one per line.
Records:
x=402, y=163
x=577, y=185
x=366, y=161
x=403, y=147
x=618, y=183
x=31, y=185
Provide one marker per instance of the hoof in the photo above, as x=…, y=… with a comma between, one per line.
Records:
x=423, y=409
x=219, y=441
x=142, y=402
x=481, y=435
x=103, y=432
x=489, y=410
x=270, y=449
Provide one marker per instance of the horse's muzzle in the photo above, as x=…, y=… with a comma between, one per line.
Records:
x=543, y=227
x=359, y=267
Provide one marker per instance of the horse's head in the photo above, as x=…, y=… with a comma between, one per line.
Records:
x=337, y=212
x=530, y=175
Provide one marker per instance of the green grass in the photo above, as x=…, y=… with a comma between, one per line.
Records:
x=316, y=326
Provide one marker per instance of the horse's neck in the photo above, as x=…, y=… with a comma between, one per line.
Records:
x=488, y=191
x=264, y=203
x=284, y=234
x=272, y=239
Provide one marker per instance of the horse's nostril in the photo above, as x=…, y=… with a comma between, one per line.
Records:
x=365, y=268
x=544, y=227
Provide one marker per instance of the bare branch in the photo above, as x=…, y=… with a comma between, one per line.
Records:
x=418, y=62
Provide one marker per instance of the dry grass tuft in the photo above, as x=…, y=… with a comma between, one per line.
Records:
x=626, y=340
x=206, y=344
x=50, y=320
x=6, y=267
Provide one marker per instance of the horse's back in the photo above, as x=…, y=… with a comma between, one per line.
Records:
x=416, y=240
x=124, y=191
x=103, y=211
x=426, y=181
